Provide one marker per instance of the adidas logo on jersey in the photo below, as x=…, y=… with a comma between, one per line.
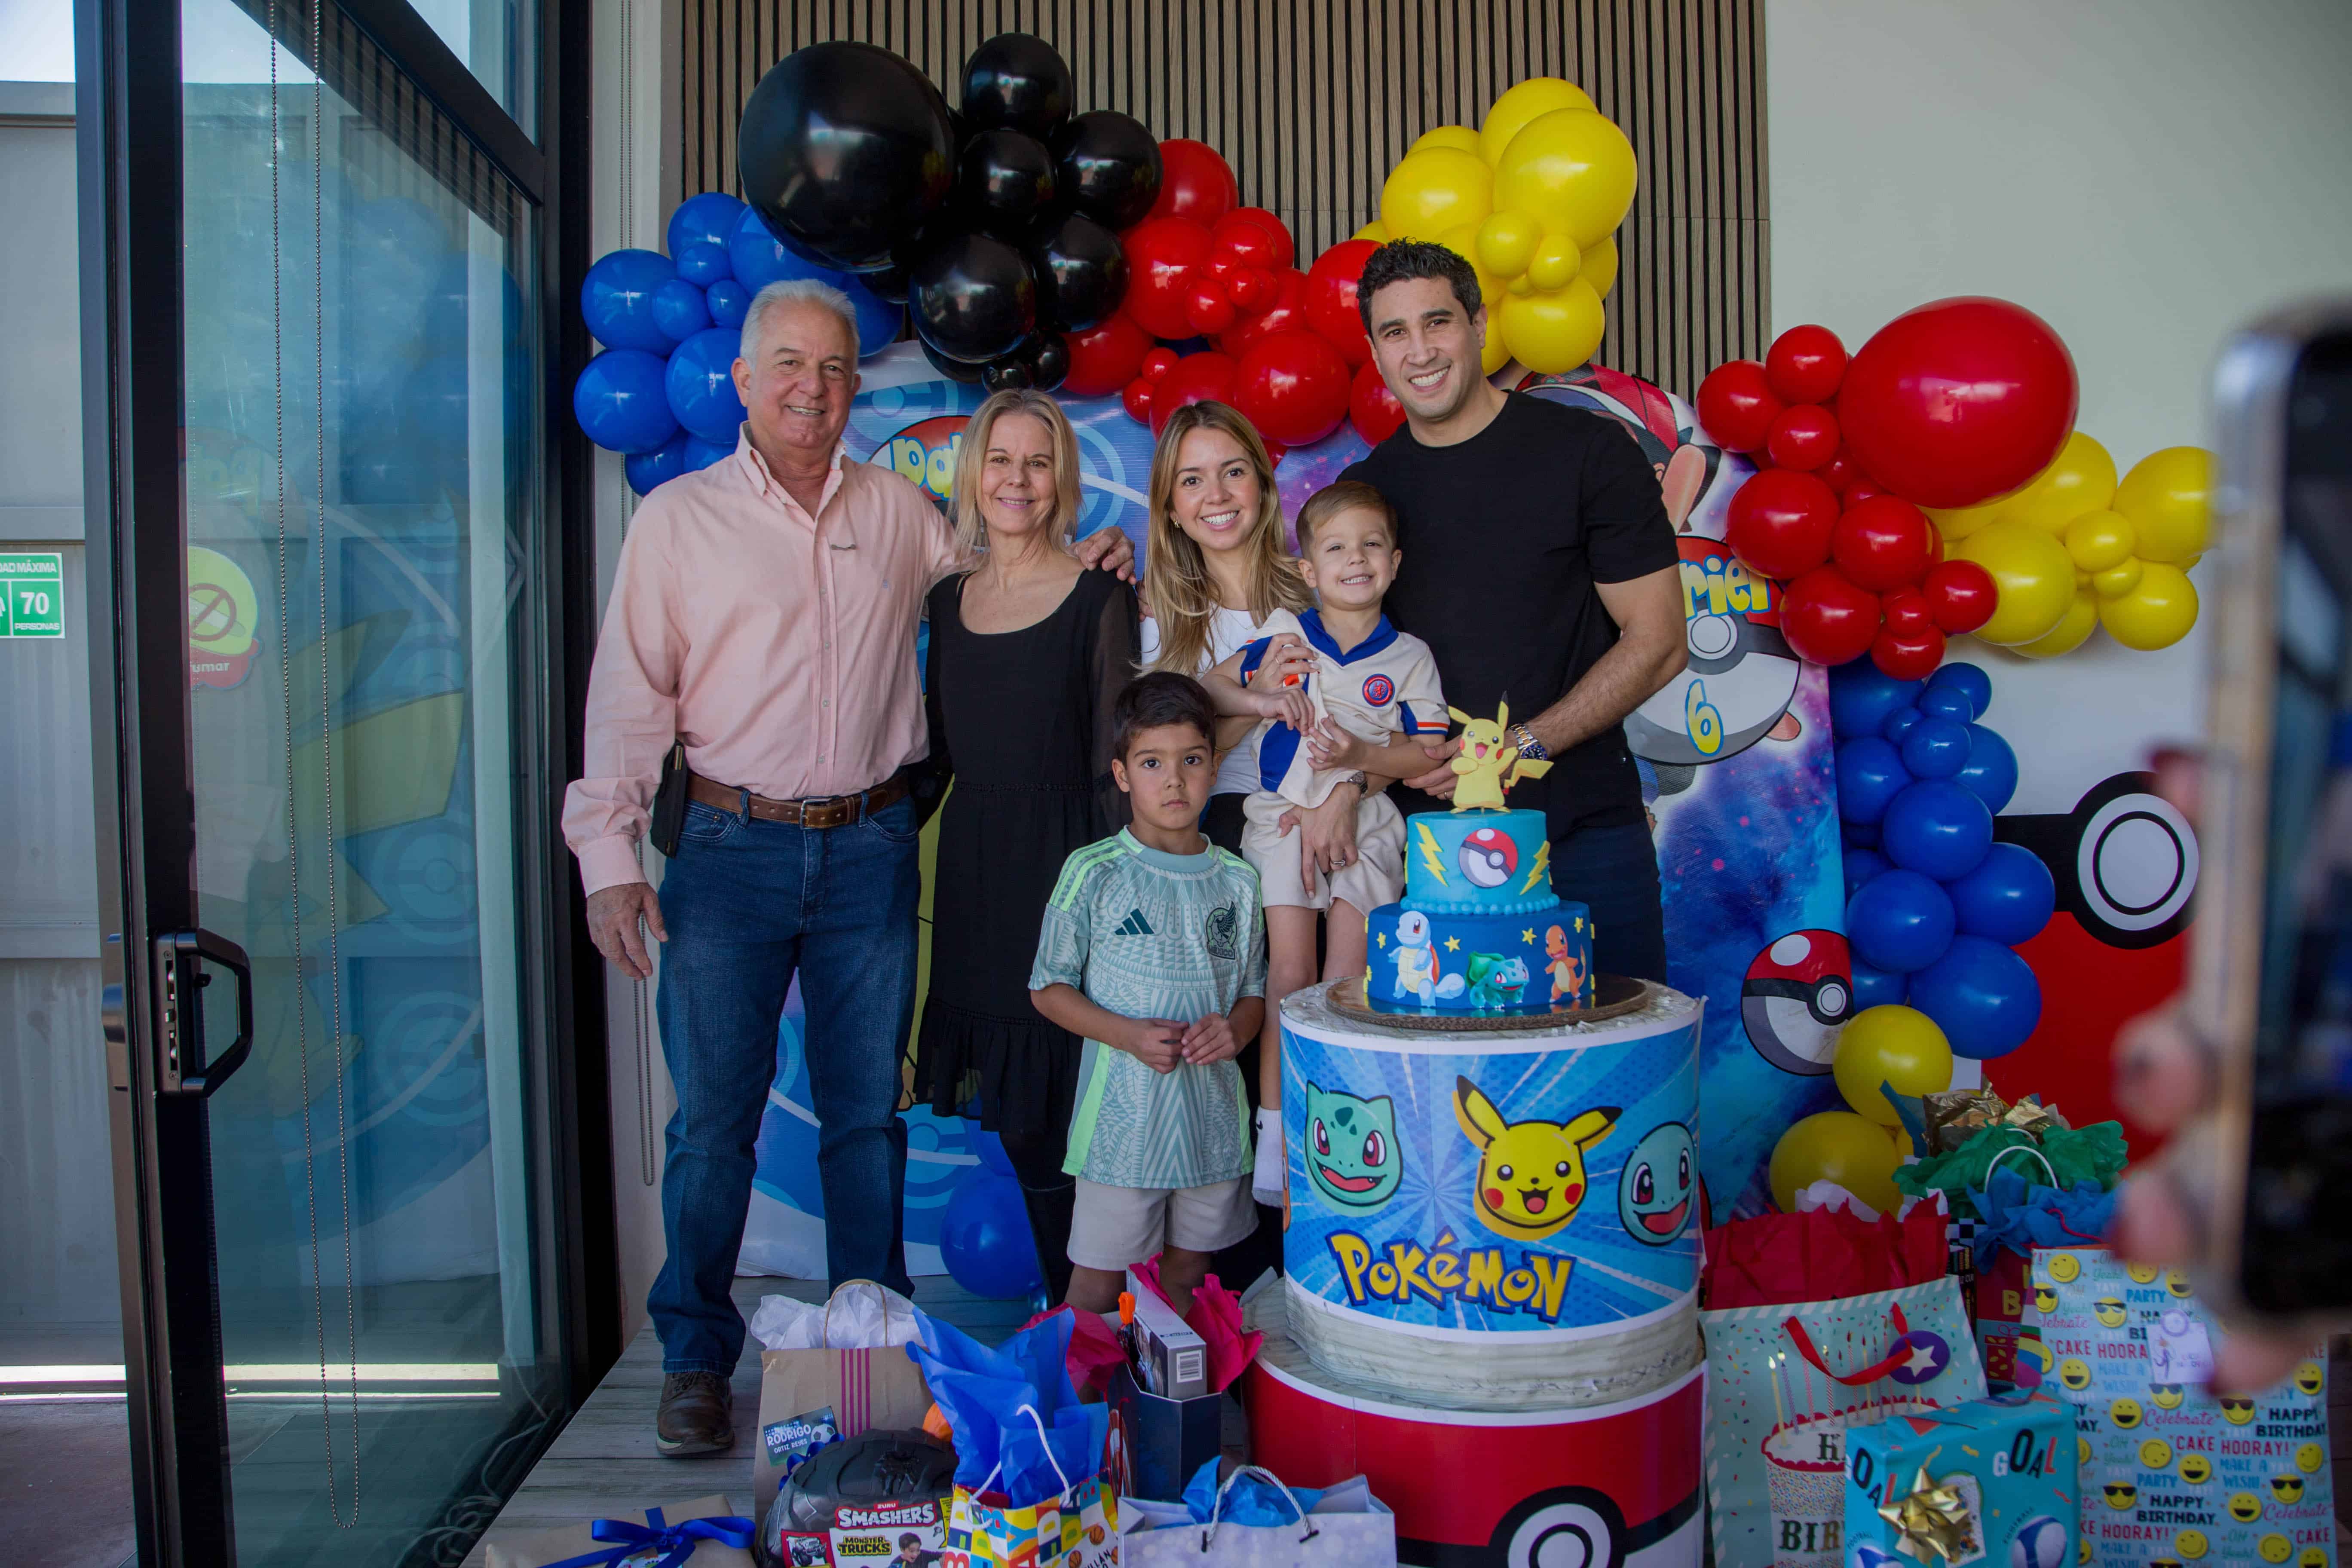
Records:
x=1134, y=925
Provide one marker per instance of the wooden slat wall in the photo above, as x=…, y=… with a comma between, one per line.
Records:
x=1314, y=100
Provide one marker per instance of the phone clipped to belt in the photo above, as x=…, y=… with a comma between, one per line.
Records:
x=669, y=800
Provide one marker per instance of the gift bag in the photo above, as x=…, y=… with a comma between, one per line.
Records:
x=1028, y=1454
x=1252, y=1521
x=698, y=1534
x=1071, y=1528
x=865, y=1384
x=1784, y=1383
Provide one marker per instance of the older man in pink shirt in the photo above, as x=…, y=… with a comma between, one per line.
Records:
x=764, y=616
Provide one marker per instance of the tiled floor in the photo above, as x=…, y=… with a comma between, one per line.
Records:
x=604, y=1463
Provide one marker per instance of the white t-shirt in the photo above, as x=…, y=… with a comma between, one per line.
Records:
x=1228, y=631
x=1386, y=685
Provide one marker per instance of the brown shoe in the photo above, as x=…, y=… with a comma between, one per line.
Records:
x=697, y=1415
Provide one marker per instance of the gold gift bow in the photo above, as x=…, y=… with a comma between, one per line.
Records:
x=1935, y=1517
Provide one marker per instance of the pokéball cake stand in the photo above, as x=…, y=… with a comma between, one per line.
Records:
x=1491, y=1261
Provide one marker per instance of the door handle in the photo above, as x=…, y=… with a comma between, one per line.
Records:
x=180, y=1066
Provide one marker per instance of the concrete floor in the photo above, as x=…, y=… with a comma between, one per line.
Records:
x=64, y=1483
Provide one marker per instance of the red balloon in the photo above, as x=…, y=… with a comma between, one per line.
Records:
x=1105, y=357
x=1826, y=619
x=1904, y=612
x=1962, y=595
x=1372, y=407
x=1839, y=471
x=1805, y=364
x=1780, y=523
x=1195, y=182
x=1883, y=542
x=1250, y=288
x=1907, y=657
x=1158, y=362
x=1137, y=399
x=1253, y=237
x=1197, y=378
x=1859, y=490
x=1162, y=255
x=1293, y=386
x=1804, y=436
x=1331, y=297
x=1208, y=306
x=1735, y=405
x=1960, y=402
x=1284, y=311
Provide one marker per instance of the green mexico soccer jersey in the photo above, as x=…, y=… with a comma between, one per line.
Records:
x=1147, y=934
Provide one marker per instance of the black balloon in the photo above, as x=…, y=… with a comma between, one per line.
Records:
x=1081, y=271
x=953, y=369
x=1048, y=357
x=889, y=285
x=1017, y=81
x=1006, y=374
x=1004, y=180
x=973, y=298
x=844, y=149
x=1108, y=167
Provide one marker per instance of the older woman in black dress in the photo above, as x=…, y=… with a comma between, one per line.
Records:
x=1028, y=651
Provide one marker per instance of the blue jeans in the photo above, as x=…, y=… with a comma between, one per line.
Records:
x=746, y=903
x=1615, y=871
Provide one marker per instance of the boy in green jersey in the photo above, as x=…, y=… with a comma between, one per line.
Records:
x=1153, y=949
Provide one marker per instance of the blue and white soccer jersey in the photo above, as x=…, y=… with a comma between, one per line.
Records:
x=1384, y=687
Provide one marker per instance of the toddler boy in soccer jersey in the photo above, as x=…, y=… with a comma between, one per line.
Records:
x=1365, y=699
x=1153, y=950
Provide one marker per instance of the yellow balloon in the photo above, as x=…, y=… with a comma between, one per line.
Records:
x=2082, y=480
x=1890, y=1047
x=1550, y=334
x=1460, y=136
x=1837, y=1146
x=1957, y=522
x=2167, y=495
x=1572, y=171
x=1507, y=243
x=2157, y=613
x=1555, y=263
x=1463, y=242
x=1520, y=285
x=1374, y=232
x=1600, y=267
x=1539, y=95
x=2098, y=539
x=2082, y=618
x=1433, y=190
x=2033, y=574
x=2119, y=579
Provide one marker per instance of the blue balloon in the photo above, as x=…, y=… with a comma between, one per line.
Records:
x=1900, y=723
x=1899, y=921
x=621, y=402
x=1861, y=697
x=648, y=471
x=1967, y=677
x=1858, y=835
x=984, y=1238
x=1937, y=829
x=701, y=386
x=991, y=1149
x=1936, y=748
x=1991, y=771
x=704, y=262
x=700, y=454
x=2007, y=898
x=679, y=311
x=1860, y=865
x=707, y=219
x=617, y=300
x=1870, y=773
x=760, y=258
x=1953, y=703
x=879, y=321
x=1877, y=988
x=1982, y=995
x=727, y=300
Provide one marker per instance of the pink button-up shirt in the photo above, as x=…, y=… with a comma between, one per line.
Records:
x=779, y=646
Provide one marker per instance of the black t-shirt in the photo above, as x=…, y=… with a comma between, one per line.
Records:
x=1503, y=537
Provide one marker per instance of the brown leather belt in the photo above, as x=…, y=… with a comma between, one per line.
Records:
x=830, y=811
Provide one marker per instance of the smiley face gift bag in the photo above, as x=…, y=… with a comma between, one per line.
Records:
x=2169, y=1473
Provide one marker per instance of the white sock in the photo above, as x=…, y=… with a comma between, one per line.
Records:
x=1270, y=1180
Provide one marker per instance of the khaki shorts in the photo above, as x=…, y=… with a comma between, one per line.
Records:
x=1117, y=1228
x=1376, y=877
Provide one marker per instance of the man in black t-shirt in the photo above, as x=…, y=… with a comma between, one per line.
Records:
x=1540, y=567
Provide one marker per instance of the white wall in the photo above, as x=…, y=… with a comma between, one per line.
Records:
x=2145, y=175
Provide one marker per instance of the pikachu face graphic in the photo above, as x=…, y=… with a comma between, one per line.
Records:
x=1531, y=1173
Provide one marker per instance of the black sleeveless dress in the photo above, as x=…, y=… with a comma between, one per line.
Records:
x=1021, y=720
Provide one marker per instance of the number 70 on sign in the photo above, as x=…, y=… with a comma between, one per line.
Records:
x=32, y=594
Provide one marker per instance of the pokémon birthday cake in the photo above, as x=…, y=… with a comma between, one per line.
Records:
x=1479, y=930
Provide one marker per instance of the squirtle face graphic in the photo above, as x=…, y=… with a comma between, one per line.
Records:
x=2165, y=1395
x=1659, y=1189
x=2309, y=1378
x=2120, y=1495
x=1351, y=1153
x=2287, y=1489
x=2195, y=1468
x=2124, y=1412
x=2309, y=1457
x=2156, y=1453
x=2246, y=1508
x=2107, y=1310
x=2236, y=1409
x=2074, y=1372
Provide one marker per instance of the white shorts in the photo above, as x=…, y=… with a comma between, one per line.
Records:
x=1117, y=1228
x=1376, y=877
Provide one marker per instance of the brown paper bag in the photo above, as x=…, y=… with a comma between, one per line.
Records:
x=864, y=1389
x=543, y=1547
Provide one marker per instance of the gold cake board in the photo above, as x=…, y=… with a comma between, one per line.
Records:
x=1614, y=996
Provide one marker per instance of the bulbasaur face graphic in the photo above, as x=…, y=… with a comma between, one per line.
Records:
x=1351, y=1150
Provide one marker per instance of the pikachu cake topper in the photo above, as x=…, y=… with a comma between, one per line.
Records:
x=1488, y=762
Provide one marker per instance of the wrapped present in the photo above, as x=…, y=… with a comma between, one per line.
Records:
x=698, y=1534
x=2068, y=1156
x=1990, y=1480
